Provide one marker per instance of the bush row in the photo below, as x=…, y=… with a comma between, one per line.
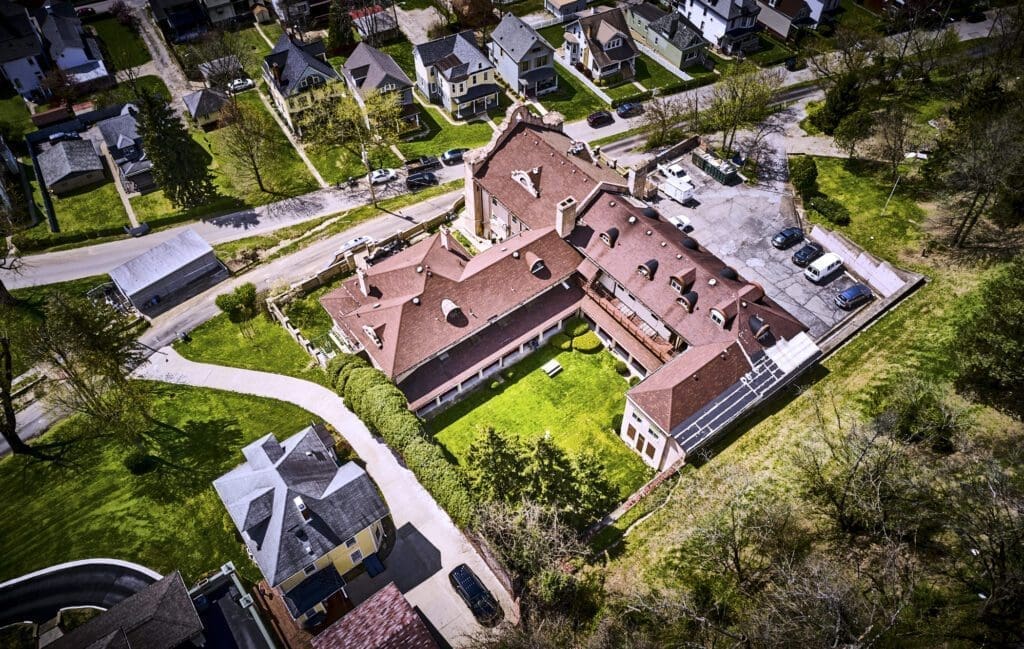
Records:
x=383, y=408
x=632, y=99
x=834, y=211
x=681, y=86
x=588, y=343
x=26, y=242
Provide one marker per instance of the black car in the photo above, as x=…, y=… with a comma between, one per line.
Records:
x=425, y=163
x=479, y=600
x=807, y=254
x=853, y=297
x=599, y=119
x=629, y=109
x=420, y=180
x=452, y=156
x=787, y=238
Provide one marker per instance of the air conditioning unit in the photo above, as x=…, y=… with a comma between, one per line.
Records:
x=227, y=568
x=245, y=601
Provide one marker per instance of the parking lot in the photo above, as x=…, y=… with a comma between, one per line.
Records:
x=737, y=224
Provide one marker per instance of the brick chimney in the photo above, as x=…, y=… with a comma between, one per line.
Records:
x=444, y=239
x=637, y=182
x=363, y=286
x=565, y=216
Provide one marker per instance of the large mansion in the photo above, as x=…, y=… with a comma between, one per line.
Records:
x=573, y=240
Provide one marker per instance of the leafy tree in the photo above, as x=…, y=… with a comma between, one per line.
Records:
x=660, y=120
x=803, y=171
x=179, y=165
x=742, y=99
x=548, y=476
x=596, y=494
x=247, y=138
x=496, y=464
x=852, y=130
x=339, y=28
x=842, y=99
x=240, y=304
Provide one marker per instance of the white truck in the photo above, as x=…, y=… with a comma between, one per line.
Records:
x=677, y=184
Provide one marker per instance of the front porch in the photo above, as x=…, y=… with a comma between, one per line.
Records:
x=662, y=349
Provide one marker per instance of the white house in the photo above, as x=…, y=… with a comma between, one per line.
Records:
x=730, y=25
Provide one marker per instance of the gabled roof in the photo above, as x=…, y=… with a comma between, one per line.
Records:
x=373, y=20
x=160, y=616
x=516, y=38
x=293, y=59
x=158, y=262
x=647, y=11
x=455, y=57
x=204, y=102
x=599, y=27
x=384, y=621
x=18, y=37
x=674, y=28
x=430, y=297
x=60, y=27
x=120, y=131
x=338, y=502
x=68, y=157
x=368, y=68
x=730, y=9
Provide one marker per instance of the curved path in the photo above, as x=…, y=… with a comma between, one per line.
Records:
x=409, y=502
x=99, y=583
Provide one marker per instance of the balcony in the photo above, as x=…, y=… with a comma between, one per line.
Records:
x=633, y=323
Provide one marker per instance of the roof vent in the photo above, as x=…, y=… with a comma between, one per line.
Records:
x=663, y=244
x=649, y=212
x=515, y=255
x=728, y=273
x=648, y=268
x=688, y=301
x=301, y=506
x=611, y=203
x=416, y=301
x=712, y=282
x=648, y=233
x=631, y=219
x=419, y=269
x=610, y=236
x=690, y=243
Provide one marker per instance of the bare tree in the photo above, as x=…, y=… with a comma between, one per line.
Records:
x=742, y=99
x=529, y=538
x=8, y=415
x=853, y=130
x=247, y=138
x=661, y=120
x=894, y=136
x=849, y=54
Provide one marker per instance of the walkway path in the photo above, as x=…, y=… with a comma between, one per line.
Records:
x=409, y=502
x=291, y=138
x=121, y=193
x=579, y=76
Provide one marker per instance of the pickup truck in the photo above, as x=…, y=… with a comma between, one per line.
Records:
x=425, y=163
x=677, y=184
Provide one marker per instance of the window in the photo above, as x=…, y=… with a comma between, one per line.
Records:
x=649, y=451
x=349, y=543
x=691, y=56
x=717, y=317
x=356, y=556
x=612, y=44
x=524, y=66
x=541, y=61
x=705, y=11
x=388, y=87
x=630, y=432
x=310, y=569
x=676, y=286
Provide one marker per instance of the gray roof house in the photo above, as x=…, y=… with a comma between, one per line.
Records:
x=205, y=106
x=160, y=616
x=453, y=72
x=71, y=48
x=522, y=57
x=70, y=165
x=368, y=69
x=299, y=75
x=300, y=514
x=121, y=135
x=600, y=43
x=676, y=41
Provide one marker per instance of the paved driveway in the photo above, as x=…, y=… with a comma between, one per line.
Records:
x=440, y=545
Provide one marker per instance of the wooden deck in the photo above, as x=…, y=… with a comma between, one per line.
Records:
x=292, y=636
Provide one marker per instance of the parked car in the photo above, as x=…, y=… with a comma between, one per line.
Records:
x=63, y=135
x=381, y=176
x=853, y=297
x=238, y=85
x=452, y=156
x=420, y=180
x=599, y=119
x=681, y=221
x=807, y=254
x=425, y=163
x=479, y=600
x=352, y=244
x=629, y=109
x=386, y=251
x=85, y=12
x=139, y=230
x=788, y=237
x=823, y=267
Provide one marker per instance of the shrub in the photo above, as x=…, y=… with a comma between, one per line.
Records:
x=495, y=385
x=576, y=327
x=803, y=171
x=139, y=462
x=341, y=366
x=561, y=341
x=633, y=380
x=834, y=211
x=621, y=368
x=588, y=343
x=681, y=85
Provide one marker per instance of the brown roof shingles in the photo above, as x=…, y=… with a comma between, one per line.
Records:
x=385, y=621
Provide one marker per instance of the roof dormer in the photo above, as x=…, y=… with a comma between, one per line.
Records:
x=648, y=268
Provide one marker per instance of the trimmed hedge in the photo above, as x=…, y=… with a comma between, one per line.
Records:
x=633, y=99
x=682, y=86
x=834, y=211
x=383, y=408
x=576, y=327
x=588, y=343
x=25, y=243
x=561, y=341
x=621, y=368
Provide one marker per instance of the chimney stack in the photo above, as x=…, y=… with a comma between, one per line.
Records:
x=363, y=286
x=444, y=239
x=565, y=217
x=637, y=182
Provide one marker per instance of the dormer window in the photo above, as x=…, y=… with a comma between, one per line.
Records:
x=610, y=236
x=388, y=87
x=676, y=286
x=648, y=268
x=372, y=335
x=612, y=44
x=718, y=317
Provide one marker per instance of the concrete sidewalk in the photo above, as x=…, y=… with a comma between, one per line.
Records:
x=409, y=502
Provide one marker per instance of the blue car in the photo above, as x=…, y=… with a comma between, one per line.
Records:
x=853, y=297
x=629, y=109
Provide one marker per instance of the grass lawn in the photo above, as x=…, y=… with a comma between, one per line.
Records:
x=653, y=75
x=284, y=175
x=555, y=35
x=125, y=46
x=572, y=99
x=338, y=164
x=623, y=90
x=863, y=188
x=855, y=15
x=401, y=52
x=311, y=318
x=805, y=123
x=442, y=135
x=262, y=345
x=15, y=120
x=579, y=407
x=273, y=31
x=772, y=52
x=256, y=48
x=524, y=7
x=168, y=519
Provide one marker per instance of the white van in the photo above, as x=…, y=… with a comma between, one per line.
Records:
x=823, y=267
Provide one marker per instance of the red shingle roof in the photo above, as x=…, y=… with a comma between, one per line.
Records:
x=385, y=621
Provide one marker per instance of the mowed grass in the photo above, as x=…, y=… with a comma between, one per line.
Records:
x=401, y=52
x=125, y=46
x=555, y=35
x=255, y=47
x=168, y=519
x=572, y=99
x=337, y=164
x=579, y=407
x=15, y=119
x=442, y=135
x=260, y=344
x=652, y=74
x=284, y=175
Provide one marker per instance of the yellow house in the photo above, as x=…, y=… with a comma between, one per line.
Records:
x=453, y=72
x=306, y=520
x=299, y=76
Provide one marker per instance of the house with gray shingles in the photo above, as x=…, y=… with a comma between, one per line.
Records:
x=522, y=57
x=70, y=165
x=784, y=18
x=206, y=107
x=730, y=25
x=668, y=34
x=121, y=135
x=299, y=77
x=168, y=272
x=599, y=43
x=368, y=69
x=306, y=520
x=454, y=73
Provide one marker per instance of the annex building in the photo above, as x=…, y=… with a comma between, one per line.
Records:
x=572, y=239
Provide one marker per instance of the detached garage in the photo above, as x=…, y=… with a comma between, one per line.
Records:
x=168, y=273
x=70, y=165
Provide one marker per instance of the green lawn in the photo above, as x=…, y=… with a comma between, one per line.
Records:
x=309, y=316
x=443, y=135
x=572, y=99
x=15, y=120
x=579, y=407
x=806, y=124
x=855, y=15
x=262, y=344
x=273, y=31
x=652, y=75
x=772, y=52
x=623, y=90
x=863, y=187
x=524, y=7
x=255, y=48
x=401, y=52
x=168, y=519
x=125, y=47
x=283, y=171
x=555, y=35
x=337, y=164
